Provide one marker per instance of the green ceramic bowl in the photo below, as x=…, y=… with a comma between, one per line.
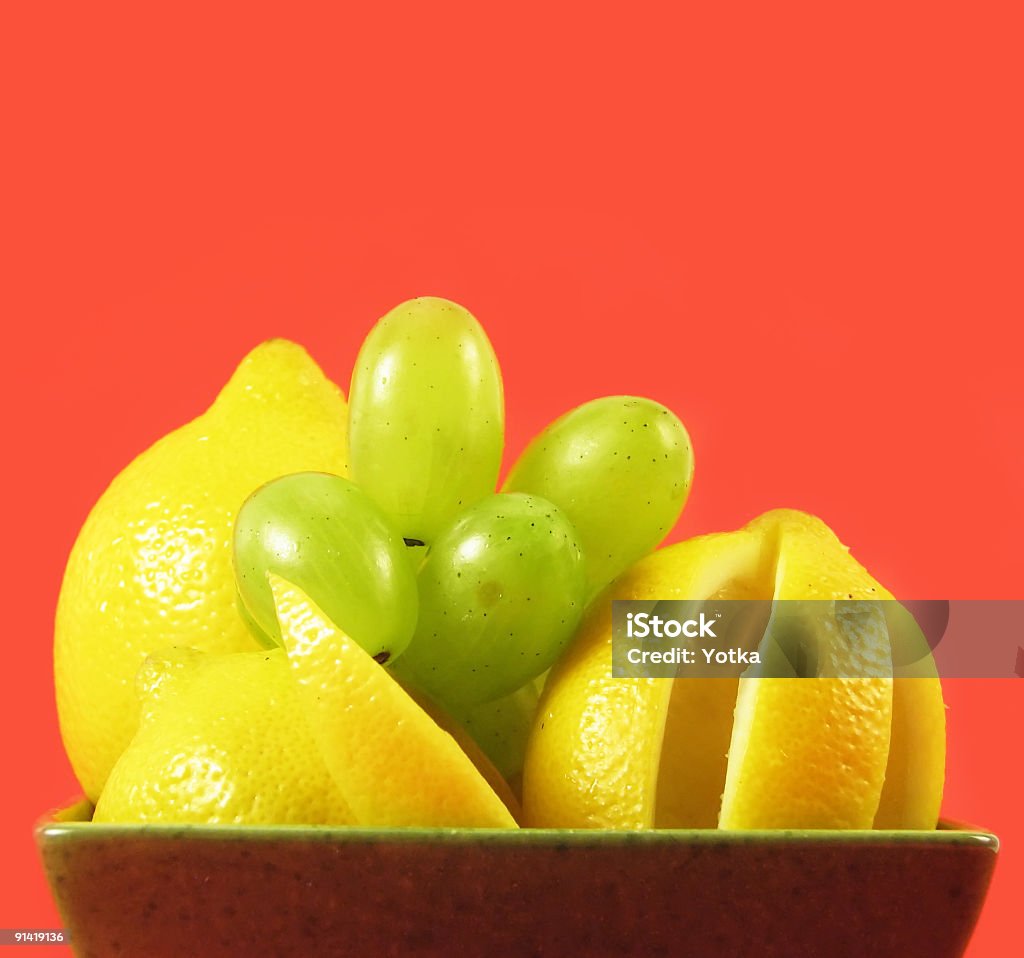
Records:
x=158, y=891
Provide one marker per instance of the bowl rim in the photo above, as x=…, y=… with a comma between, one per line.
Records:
x=72, y=820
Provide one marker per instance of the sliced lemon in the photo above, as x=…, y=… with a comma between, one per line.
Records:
x=747, y=753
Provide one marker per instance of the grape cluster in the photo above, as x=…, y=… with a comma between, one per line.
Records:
x=467, y=593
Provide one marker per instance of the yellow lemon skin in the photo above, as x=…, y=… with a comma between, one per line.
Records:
x=394, y=765
x=637, y=753
x=222, y=739
x=152, y=563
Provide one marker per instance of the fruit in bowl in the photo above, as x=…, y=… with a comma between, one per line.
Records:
x=297, y=613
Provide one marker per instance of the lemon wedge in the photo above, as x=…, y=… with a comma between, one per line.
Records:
x=392, y=762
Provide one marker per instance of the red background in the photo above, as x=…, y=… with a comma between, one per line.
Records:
x=798, y=226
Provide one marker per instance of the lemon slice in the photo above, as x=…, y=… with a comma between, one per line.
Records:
x=391, y=761
x=812, y=753
x=594, y=755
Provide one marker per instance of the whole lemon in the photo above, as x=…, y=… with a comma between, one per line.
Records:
x=223, y=739
x=152, y=564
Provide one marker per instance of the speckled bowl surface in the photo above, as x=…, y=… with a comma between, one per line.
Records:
x=156, y=891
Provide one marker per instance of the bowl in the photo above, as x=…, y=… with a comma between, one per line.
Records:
x=164, y=890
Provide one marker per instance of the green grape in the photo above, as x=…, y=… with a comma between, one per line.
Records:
x=620, y=468
x=501, y=593
x=502, y=727
x=325, y=535
x=426, y=415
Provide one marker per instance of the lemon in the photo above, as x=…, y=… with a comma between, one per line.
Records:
x=152, y=564
x=742, y=753
x=223, y=739
x=392, y=762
